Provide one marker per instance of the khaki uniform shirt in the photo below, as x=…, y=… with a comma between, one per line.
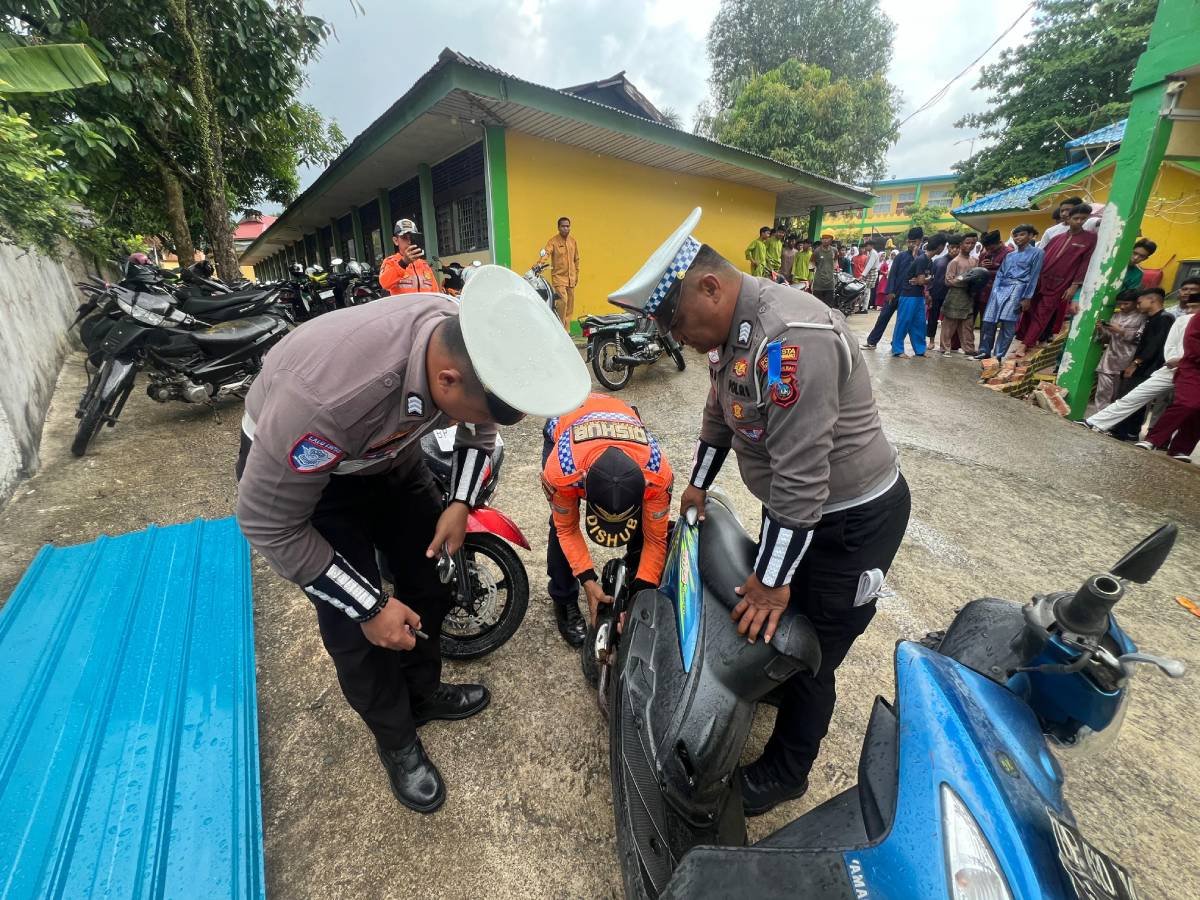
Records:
x=812, y=443
x=343, y=395
x=564, y=261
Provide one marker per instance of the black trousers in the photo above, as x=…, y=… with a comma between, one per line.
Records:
x=844, y=545
x=396, y=512
x=931, y=320
x=881, y=323
x=825, y=296
x=564, y=586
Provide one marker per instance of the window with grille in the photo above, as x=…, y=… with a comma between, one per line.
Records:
x=462, y=224
x=940, y=198
x=905, y=201
x=883, y=206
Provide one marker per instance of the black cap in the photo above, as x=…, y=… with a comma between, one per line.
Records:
x=614, y=488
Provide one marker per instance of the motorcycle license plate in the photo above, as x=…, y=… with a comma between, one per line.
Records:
x=1093, y=875
x=325, y=295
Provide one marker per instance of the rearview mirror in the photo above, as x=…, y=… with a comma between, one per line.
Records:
x=1143, y=561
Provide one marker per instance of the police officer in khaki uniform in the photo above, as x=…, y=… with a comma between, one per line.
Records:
x=331, y=470
x=790, y=395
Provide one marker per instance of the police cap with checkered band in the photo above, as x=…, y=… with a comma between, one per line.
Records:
x=654, y=290
x=518, y=348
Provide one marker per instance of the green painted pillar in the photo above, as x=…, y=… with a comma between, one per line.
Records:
x=339, y=246
x=497, y=194
x=816, y=218
x=1171, y=49
x=386, y=223
x=428, y=212
x=360, y=244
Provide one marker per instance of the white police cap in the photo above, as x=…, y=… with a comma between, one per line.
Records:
x=667, y=265
x=518, y=346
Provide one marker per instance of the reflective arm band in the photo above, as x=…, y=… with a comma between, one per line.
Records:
x=470, y=469
x=342, y=586
x=780, y=550
x=707, y=464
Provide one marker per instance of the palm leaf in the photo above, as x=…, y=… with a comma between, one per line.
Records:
x=48, y=68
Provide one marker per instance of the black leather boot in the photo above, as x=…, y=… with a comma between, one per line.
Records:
x=450, y=702
x=765, y=785
x=415, y=780
x=570, y=621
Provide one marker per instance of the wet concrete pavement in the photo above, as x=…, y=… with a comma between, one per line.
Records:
x=1007, y=500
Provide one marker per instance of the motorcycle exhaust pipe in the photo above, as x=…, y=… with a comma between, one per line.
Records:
x=629, y=360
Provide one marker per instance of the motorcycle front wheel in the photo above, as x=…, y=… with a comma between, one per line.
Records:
x=498, y=592
x=613, y=375
x=677, y=355
x=93, y=412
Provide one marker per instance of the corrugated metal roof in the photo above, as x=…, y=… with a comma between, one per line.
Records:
x=128, y=721
x=1018, y=197
x=1109, y=134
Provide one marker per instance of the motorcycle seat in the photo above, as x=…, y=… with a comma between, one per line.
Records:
x=198, y=306
x=228, y=335
x=612, y=319
x=726, y=560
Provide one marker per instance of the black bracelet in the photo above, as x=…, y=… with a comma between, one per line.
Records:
x=383, y=599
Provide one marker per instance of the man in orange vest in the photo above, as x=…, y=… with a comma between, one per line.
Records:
x=406, y=271
x=603, y=455
x=564, y=270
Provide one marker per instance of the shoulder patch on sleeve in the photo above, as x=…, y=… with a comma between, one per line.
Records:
x=415, y=404
x=314, y=453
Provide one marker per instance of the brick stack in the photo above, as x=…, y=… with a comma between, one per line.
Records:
x=1028, y=375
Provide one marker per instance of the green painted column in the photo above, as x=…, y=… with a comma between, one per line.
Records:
x=1171, y=48
x=360, y=243
x=339, y=246
x=497, y=194
x=428, y=212
x=386, y=223
x=816, y=218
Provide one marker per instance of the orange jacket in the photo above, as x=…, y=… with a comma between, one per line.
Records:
x=578, y=439
x=417, y=277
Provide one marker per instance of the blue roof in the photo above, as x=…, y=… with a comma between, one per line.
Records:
x=128, y=722
x=1020, y=196
x=1109, y=134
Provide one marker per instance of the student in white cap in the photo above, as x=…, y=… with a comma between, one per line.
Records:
x=791, y=396
x=330, y=470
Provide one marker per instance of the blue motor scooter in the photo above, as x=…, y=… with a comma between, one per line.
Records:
x=958, y=793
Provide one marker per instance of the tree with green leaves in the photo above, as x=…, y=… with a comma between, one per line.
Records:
x=851, y=39
x=800, y=115
x=1071, y=77
x=200, y=105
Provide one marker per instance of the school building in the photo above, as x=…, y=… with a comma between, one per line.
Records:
x=485, y=163
x=888, y=215
x=1171, y=220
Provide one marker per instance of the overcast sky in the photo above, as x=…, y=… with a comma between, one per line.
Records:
x=660, y=45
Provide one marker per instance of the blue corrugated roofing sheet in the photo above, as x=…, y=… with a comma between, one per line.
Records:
x=1018, y=197
x=1109, y=134
x=128, y=722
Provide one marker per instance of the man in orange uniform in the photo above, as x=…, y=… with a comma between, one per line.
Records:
x=564, y=270
x=405, y=271
x=602, y=454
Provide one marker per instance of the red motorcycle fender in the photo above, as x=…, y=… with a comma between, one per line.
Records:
x=492, y=521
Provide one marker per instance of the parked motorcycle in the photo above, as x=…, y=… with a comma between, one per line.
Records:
x=353, y=283
x=185, y=358
x=850, y=295
x=539, y=282
x=491, y=587
x=619, y=342
x=958, y=794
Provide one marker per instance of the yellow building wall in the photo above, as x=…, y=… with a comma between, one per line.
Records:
x=1171, y=220
x=852, y=224
x=619, y=211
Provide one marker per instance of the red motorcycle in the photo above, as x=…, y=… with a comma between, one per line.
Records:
x=491, y=587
